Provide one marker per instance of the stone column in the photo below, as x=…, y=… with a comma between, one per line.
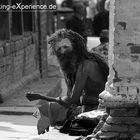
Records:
x=122, y=91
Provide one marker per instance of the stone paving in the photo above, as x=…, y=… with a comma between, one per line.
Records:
x=23, y=127
x=16, y=120
x=50, y=85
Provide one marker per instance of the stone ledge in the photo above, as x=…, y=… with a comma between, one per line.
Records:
x=17, y=110
x=123, y=120
x=107, y=135
x=120, y=112
x=114, y=128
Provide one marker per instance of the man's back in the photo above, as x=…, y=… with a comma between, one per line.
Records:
x=89, y=83
x=95, y=79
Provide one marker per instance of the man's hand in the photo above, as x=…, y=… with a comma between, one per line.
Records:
x=31, y=96
x=64, y=101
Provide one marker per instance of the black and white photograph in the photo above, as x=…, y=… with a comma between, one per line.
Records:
x=69, y=70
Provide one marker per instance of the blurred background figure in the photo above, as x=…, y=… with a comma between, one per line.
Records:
x=67, y=3
x=102, y=48
x=100, y=5
x=101, y=20
x=91, y=9
x=91, y=12
x=107, y=5
x=77, y=21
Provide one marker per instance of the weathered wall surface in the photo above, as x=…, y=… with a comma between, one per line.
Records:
x=23, y=56
x=127, y=39
x=43, y=42
x=17, y=60
x=122, y=93
x=124, y=50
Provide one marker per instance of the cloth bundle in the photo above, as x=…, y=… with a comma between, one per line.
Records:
x=49, y=114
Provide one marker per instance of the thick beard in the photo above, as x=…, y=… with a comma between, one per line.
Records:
x=68, y=62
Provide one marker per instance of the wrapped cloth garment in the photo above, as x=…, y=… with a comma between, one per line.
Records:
x=88, y=103
x=92, y=114
x=52, y=113
x=91, y=121
x=84, y=124
x=43, y=122
x=49, y=114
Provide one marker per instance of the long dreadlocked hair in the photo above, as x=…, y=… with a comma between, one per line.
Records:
x=80, y=49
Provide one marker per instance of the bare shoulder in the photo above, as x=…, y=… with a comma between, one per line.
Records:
x=89, y=65
x=89, y=69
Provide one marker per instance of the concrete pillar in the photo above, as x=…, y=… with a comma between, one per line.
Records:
x=122, y=91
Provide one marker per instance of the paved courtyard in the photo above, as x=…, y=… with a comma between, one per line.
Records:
x=23, y=127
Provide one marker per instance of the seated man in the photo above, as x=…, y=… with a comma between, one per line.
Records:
x=85, y=73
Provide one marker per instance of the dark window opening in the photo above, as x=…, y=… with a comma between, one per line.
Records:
x=16, y=19
x=27, y=16
x=4, y=22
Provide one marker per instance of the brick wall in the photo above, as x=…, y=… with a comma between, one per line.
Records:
x=22, y=55
x=17, y=60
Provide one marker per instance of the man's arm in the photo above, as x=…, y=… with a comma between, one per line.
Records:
x=69, y=89
x=81, y=79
